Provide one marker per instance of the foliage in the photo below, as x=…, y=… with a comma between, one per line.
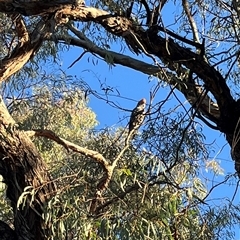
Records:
x=161, y=195
x=152, y=187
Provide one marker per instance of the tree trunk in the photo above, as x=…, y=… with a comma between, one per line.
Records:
x=23, y=169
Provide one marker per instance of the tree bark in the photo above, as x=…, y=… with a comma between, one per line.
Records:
x=24, y=172
x=6, y=232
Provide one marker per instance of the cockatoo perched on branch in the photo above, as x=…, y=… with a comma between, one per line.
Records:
x=137, y=116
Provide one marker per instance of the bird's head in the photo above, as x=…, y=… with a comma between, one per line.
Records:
x=142, y=102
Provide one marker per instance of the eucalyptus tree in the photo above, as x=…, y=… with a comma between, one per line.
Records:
x=195, y=53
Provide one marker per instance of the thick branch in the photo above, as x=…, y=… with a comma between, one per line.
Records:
x=34, y=8
x=25, y=49
x=68, y=145
x=167, y=50
x=170, y=52
x=108, y=169
x=118, y=58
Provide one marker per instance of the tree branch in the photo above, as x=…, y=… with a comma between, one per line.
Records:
x=153, y=43
x=208, y=107
x=118, y=58
x=167, y=50
x=191, y=21
x=108, y=169
x=68, y=145
x=25, y=49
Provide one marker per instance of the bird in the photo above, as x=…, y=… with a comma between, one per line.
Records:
x=137, y=116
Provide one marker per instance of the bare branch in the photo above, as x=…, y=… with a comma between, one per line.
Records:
x=191, y=21
x=68, y=145
x=118, y=58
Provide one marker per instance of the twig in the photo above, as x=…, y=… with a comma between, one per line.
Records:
x=78, y=58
